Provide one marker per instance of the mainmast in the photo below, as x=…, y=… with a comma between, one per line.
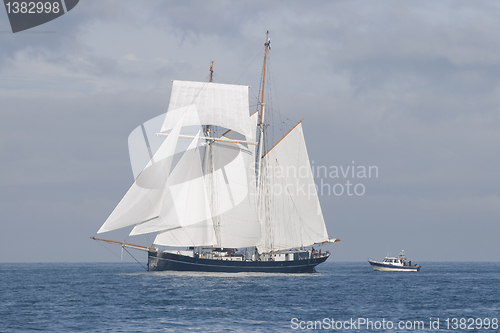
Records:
x=262, y=112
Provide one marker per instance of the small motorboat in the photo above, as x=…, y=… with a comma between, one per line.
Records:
x=398, y=264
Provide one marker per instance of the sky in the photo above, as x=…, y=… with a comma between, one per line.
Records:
x=409, y=88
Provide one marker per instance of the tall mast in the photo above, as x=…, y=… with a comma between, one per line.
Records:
x=207, y=127
x=264, y=80
x=262, y=111
x=208, y=168
x=211, y=72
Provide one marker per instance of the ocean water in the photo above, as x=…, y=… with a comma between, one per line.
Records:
x=123, y=297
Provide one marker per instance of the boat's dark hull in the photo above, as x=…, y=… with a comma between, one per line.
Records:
x=164, y=261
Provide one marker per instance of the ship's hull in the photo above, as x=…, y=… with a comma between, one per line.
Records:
x=379, y=266
x=165, y=261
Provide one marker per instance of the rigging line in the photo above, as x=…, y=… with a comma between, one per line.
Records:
x=207, y=78
x=173, y=236
x=273, y=80
x=220, y=77
x=280, y=126
x=273, y=96
x=148, y=239
x=260, y=52
x=100, y=243
x=123, y=247
x=271, y=138
x=255, y=97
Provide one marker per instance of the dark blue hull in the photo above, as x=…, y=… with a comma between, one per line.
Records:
x=163, y=261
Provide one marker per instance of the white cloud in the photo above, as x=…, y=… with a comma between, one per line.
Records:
x=131, y=57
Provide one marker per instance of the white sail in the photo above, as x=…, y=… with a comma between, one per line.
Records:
x=233, y=204
x=184, y=201
x=290, y=211
x=143, y=143
x=254, y=118
x=233, y=201
x=142, y=202
x=200, y=234
x=221, y=193
x=217, y=104
x=185, y=218
x=233, y=196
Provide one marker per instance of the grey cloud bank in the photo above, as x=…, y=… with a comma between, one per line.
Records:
x=409, y=87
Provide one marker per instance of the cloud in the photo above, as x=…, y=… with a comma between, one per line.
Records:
x=411, y=88
x=131, y=57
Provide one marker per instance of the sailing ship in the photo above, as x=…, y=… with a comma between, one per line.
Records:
x=224, y=204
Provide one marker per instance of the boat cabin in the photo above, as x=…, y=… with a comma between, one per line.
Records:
x=394, y=261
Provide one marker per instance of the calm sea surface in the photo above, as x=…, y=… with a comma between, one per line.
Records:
x=122, y=297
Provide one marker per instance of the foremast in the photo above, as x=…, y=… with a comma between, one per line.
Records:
x=209, y=168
